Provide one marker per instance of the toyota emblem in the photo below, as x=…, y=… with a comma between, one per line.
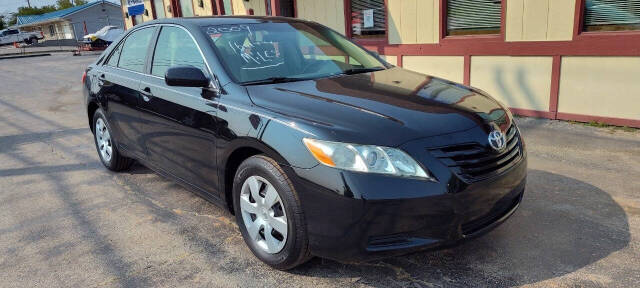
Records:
x=497, y=140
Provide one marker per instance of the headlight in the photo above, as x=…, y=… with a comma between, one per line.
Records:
x=365, y=158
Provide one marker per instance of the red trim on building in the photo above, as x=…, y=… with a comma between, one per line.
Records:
x=221, y=10
x=275, y=8
x=578, y=18
x=532, y=113
x=467, y=70
x=601, y=119
x=347, y=18
x=176, y=11
x=295, y=8
x=214, y=7
x=555, y=85
x=153, y=10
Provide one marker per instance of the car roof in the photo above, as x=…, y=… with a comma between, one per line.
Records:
x=222, y=20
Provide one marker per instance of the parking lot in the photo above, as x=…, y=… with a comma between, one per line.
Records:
x=65, y=221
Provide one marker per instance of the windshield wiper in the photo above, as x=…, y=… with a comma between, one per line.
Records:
x=361, y=70
x=273, y=80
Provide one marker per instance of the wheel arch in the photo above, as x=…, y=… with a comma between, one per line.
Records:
x=240, y=150
x=91, y=109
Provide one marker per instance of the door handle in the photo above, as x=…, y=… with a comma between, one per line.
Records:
x=146, y=94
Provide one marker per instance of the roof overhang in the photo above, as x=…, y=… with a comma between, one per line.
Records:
x=61, y=18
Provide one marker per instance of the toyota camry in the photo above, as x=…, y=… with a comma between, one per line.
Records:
x=316, y=145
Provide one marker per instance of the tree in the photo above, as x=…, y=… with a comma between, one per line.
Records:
x=64, y=4
x=13, y=20
x=2, y=25
x=36, y=10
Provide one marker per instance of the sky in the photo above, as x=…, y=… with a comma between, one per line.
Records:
x=10, y=6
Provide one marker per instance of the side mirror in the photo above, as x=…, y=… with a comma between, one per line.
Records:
x=186, y=76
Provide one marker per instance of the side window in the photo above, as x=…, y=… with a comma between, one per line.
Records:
x=115, y=56
x=134, y=50
x=611, y=15
x=175, y=48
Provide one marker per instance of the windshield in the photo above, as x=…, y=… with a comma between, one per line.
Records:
x=272, y=52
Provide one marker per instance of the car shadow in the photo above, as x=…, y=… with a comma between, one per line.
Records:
x=563, y=225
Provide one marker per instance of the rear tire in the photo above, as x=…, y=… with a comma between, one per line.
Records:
x=105, y=144
x=278, y=234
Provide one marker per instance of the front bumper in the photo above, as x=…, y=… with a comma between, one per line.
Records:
x=357, y=217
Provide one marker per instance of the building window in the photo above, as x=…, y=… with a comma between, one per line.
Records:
x=611, y=15
x=472, y=17
x=52, y=30
x=368, y=19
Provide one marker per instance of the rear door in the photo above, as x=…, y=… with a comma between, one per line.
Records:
x=179, y=134
x=119, y=79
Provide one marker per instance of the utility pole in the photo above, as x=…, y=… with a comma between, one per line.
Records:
x=29, y=3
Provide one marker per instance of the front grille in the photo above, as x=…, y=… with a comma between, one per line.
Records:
x=474, y=162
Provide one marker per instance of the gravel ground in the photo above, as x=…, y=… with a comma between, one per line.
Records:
x=65, y=221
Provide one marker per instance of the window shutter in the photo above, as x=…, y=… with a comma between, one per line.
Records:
x=474, y=15
x=611, y=12
x=379, y=14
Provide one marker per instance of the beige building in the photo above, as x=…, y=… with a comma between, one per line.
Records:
x=559, y=59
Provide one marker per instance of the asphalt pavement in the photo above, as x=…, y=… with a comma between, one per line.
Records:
x=65, y=221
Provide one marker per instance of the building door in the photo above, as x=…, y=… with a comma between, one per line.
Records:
x=287, y=8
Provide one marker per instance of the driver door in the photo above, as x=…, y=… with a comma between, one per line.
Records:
x=179, y=122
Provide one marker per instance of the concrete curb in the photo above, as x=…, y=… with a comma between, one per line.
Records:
x=39, y=52
x=24, y=56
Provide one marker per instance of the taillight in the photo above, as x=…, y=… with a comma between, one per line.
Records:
x=84, y=77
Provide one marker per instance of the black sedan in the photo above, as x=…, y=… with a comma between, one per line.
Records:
x=317, y=146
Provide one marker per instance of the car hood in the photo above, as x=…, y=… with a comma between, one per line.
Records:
x=387, y=107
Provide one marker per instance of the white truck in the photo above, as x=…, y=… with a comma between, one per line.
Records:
x=9, y=36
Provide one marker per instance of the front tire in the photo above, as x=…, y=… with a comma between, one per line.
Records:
x=105, y=144
x=269, y=214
